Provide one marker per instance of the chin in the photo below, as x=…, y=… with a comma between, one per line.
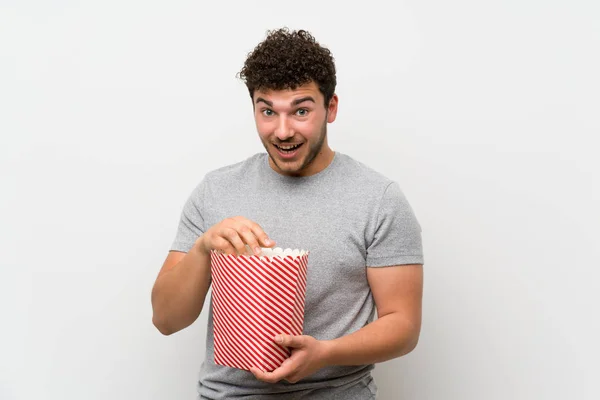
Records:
x=294, y=167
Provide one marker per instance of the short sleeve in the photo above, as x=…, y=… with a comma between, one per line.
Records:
x=397, y=235
x=191, y=221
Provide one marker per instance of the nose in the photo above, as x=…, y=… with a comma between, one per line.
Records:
x=283, y=130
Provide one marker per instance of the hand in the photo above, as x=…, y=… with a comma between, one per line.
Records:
x=232, y=235
x=308, y=356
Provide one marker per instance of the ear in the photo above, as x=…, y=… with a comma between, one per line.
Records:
x=332, y=108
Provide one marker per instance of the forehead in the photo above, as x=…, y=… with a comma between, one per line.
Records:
x=286, y=97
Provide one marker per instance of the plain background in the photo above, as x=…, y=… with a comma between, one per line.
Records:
x=486, y=113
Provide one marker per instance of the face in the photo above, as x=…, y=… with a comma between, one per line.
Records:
x=292, y=125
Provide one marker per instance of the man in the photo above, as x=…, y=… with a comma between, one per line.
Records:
x=363, y=237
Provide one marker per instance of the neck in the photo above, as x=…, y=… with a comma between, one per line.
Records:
x=321, y=161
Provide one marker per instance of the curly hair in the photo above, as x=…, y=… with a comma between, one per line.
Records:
x=286, y=60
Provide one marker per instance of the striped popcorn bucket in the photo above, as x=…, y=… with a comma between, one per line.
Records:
x=255, y=298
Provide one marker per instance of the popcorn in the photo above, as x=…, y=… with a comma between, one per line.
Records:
x=255, y=298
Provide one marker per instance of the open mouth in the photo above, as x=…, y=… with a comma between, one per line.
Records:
x=288, y=149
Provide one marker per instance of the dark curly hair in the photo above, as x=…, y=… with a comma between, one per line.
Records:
x=286, y=60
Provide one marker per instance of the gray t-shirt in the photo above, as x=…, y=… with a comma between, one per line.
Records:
x=349, y=217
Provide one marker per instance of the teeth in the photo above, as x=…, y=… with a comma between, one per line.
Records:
x=288, y=147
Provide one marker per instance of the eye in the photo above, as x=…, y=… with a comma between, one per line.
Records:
x=267, y=112
x=302, y=112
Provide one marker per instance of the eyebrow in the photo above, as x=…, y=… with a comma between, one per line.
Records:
x=294, y=103
x=302, y=100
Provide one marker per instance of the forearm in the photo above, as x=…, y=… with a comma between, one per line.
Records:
x=386, y=338
x=178, y=295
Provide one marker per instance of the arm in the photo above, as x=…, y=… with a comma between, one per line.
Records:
x=398, y=296
x=180, y=289
x=397, y=289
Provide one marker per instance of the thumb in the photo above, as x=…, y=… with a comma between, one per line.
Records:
x=289, y=341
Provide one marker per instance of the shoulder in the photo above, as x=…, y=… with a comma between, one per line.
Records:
x=225, y=176
x=359, y=173
x=236, y=171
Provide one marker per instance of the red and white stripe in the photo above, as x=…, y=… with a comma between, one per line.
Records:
x=255, y=299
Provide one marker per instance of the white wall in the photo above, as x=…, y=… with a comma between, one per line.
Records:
x=485, y=112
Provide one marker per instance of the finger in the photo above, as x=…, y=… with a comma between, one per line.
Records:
x=290, y=341
x=260, y=234
x=223, y=245
x=249, y=238
x=293, y=378
x=274, y=376
x=234, y=238
x=261, y=375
